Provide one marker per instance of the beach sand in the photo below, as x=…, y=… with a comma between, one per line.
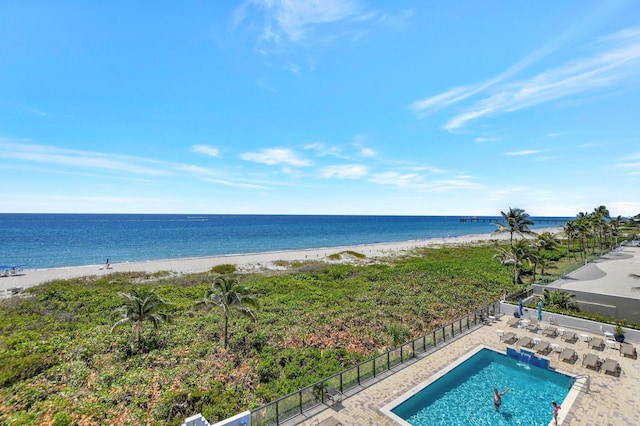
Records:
x=244, y=262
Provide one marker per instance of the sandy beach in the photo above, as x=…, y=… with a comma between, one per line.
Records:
x=244, y=262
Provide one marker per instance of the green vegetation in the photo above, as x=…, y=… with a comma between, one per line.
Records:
x=224, y=269
x=60, y=363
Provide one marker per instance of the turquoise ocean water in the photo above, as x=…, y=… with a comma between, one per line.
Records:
x=58, y=240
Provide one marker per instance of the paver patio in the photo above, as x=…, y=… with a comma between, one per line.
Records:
x=610, y=400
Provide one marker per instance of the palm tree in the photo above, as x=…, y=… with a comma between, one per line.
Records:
x=582, y=233
x=544, y=242
x=141, y=305
x=515, y=257
x=616, y=224
x=570, y=230
x=516, y=221
x=230, y=295
x=559, y=298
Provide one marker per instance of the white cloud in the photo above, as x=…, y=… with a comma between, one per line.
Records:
x=293, y=20
x=405, y=180
x=417, y=182
x=617, y=63
x=78, y=159
x=275, y=156
x=237, y=184
x=367, y=152
x=207, y=150
x=482, y=140
x=523, y=152
x=321, y=149
x=349, y=171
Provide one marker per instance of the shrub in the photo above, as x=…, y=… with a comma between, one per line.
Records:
x=16, y=369
x=224, y=269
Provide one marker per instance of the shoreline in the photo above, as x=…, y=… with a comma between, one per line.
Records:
x=246, y=262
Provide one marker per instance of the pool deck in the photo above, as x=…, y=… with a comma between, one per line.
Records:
x=610, y=401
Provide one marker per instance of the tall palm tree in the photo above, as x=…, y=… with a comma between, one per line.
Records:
x=516, y=221
x=141, y=305
x=228, y=294
x=583, y=233
x=570, y=231
x=543, y=242
x=616, y=224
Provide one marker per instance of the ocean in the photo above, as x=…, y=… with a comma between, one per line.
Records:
x=60, y=240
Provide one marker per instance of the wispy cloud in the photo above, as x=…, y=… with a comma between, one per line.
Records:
x=237, y=184
x=23, y=154
x=363, y=151
x=207, y=150
x=616, y=63
x=35, y=111
x=418, y=182
x=347, y=171
x=322, y=149
x=276, y=156
x=523, y=152
x=483, y=140
x=54, y=156
x=293, y=21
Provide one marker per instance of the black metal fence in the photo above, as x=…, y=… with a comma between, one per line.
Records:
x=358, y=377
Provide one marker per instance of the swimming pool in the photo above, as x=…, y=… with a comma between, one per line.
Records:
x=463, y=394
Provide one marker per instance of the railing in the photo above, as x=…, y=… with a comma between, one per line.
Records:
x=356, y=378
x=581, y=376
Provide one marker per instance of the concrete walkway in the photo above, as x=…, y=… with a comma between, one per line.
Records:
x=616, y=273
x=610, y=401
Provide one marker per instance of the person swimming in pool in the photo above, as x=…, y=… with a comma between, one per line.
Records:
x=497, y=397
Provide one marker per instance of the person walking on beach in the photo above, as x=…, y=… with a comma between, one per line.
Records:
x=556, y=408
x=497, y=397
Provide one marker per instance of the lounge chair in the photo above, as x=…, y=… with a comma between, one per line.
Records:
x=331, y=421
x=533, y=325
x=611, y=366
x=513, y=322
x=525, y=342
x=597, y=343
x=542, y=348
x=591, y=361
x=551, y=331
x=569, y=336
x=509, y=337
x=333, y=394
x=628, y=350
x=568, y=355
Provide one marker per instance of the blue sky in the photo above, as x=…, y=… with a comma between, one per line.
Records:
x=320, y=107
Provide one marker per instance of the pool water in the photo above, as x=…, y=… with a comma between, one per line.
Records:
x=464, y=395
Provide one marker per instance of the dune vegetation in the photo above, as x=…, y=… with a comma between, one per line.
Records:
x=62, y=362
